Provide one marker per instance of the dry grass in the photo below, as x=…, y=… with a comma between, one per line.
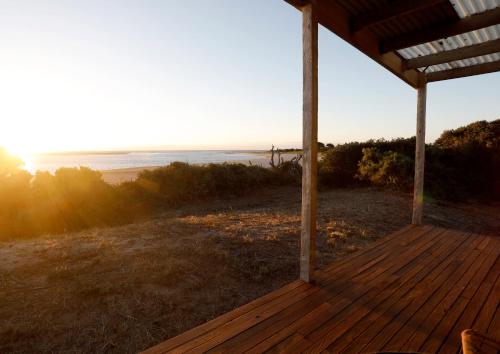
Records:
x=123, y=289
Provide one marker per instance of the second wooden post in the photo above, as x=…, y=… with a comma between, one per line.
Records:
x=309, y=142
x=418, y=183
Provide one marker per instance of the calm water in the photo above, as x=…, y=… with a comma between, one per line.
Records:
x=109, y=161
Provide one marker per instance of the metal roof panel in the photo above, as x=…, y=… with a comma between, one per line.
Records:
x=463, y=8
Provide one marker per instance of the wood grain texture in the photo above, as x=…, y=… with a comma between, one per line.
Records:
x=465, y=71
x=418, y=182
x=309, y=142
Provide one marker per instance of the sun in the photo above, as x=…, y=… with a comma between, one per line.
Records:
x=23, y=153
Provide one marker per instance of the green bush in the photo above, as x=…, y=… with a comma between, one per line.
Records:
x=465, y=163
x=462, y=163
x=387, y=169
x=288, y=172
x=481, y=133
x=180, y=182
x=73, y=198
x=339, y=165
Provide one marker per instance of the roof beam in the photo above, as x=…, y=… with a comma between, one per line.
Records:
x=464, y=71
x=447, y=56
x=385, y=13
x=471, y=23
x=336, y=19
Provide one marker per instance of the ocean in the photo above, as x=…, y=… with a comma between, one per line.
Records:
x=129, y=159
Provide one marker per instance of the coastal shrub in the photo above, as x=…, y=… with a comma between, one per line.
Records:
x=174, y=183
x=181, y=182
x=467, y=172
x=481, y=133
x=338, y=166
x=468, y=159
x=15, y=199
x=237, y=179
x=71, y=199
x=387, y=169
x=289, y=172
x=462, y=163
x=77, y=198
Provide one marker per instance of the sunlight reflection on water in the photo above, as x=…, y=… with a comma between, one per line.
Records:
x=109, y=161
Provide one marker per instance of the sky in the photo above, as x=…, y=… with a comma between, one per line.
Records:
x=197, y=74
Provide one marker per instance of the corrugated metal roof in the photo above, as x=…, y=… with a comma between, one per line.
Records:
x=463, y=8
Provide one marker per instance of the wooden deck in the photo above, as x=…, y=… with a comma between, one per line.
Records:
x=414, y=290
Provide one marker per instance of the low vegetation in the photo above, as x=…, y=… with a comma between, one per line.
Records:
x=462, y=163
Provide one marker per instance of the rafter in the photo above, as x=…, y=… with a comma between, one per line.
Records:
x=447, y=56
x=464, y=71
x=396, y=8
x=336, y=19
x=471, y=23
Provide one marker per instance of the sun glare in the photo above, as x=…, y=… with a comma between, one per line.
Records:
x=25, y=155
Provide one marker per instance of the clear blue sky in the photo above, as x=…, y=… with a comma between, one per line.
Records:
x=91, y=74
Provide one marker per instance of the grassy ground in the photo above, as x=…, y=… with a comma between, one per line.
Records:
x=123, y=289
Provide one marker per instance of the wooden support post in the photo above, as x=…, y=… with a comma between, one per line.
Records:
x=309, y=142
x=418, y=183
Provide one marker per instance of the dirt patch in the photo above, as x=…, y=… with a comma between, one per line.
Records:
x=123, y=289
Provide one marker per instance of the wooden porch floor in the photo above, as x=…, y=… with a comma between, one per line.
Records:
x=414, y=290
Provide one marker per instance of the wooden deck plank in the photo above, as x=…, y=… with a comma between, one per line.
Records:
x=424, y=302
x=472, y=309
x=415, y=289
x=489, y=312
x=391, y=313
x=367, y=328
x=291, y=327
x=414, y=318
x=494, y=328
x=358, y=310
x=234, y=329
x=434, y=310
x=219, y=335
x=450, y=309
x=216, y=322
x=384, y=246
x=207, y=341
x=359, y=289
x=435, y=341
x=410, y=233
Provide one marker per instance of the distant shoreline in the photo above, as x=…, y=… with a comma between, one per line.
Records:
x=128, y=174
x=129, y=161
x=126, y=152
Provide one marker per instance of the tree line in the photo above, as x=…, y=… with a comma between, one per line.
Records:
x=462, y=163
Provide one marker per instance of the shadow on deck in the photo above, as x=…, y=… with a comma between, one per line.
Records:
x=414, y=290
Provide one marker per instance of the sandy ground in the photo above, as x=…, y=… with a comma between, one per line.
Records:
x=120, y=175
x=123, y=289
x=117, y=176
